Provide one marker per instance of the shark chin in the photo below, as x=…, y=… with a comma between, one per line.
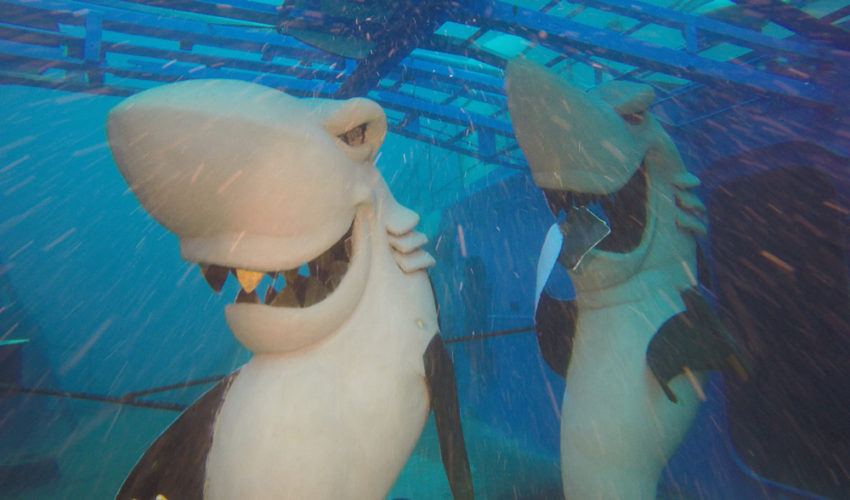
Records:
x=284, y=326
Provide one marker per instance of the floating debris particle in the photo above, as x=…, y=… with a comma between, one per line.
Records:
x=777, y=261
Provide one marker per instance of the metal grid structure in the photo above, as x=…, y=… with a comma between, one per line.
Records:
x=436, y=66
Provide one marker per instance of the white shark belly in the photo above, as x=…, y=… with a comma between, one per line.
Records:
x=336, y=420
x=317, y=430
x=618, y=429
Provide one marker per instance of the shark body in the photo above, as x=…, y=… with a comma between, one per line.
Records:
x=637, y=338
x=347, y=358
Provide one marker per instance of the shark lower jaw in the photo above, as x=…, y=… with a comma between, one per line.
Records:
x=626, y=212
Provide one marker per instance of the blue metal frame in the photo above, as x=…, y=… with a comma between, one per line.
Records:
x=120, y=48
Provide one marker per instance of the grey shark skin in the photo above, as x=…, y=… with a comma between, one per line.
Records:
x=634, y=343
x=348, y=361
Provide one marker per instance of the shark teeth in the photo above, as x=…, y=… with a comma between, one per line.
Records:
x=625, y=211
x=249, y=279
x=304, y=286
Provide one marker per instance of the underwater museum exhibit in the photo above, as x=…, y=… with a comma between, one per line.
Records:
x=424, y=249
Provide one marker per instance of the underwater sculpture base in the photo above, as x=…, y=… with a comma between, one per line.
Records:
x=348, y=360
x=635, y=341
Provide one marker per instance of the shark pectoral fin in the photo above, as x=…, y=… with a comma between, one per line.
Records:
x=175, y=464
x=582, y=231
x=442, y=388
x=694, y=339
x=728, y=358
x=555, y=324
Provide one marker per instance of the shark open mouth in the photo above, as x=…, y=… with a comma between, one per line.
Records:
x=300, y=287
x=625, y=211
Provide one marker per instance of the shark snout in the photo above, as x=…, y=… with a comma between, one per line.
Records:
x=235, y=190
x=573, y=139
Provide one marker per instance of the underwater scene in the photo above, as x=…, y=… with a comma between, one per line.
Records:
x=424, y=249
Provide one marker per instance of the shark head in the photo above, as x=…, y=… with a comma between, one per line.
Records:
x=265, y=186
x=602, y=148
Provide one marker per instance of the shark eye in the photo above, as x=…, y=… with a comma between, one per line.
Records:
x=355, y=136
x=634, y=118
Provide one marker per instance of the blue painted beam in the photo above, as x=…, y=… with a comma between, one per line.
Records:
x=93, y=50
x=228, y=62
x=410, y=23
x=168, y=28
x=34, y=36
x=565, y=35
x=184, y=71
x=800, y=22
x=234, y=11
x=174, y=65
x=501, y=160
x=42, y=52
x=458, y=76
x=729, y=33
x=448, y=114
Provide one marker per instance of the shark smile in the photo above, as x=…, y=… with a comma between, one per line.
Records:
x=624, y=210
x=299, y=287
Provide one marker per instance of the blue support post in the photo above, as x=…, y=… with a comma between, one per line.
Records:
x=94, y=35
x=486, y=143
x=692, y=37
x=565, y=35
x=91, y=49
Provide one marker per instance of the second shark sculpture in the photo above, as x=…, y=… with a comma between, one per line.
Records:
x=347, y=357
x=637, y=338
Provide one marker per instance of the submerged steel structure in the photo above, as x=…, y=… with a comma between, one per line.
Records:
x=435, y=65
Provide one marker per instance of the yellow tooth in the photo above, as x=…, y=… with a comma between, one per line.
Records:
x=249, y=279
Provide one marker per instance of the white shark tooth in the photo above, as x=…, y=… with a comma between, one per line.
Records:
x=249, y=279
x=314, y=291
x=290, y=276
x=336, y=272
x=215, y=276
x=348, y=245
x=244, y=297
x=286, y=298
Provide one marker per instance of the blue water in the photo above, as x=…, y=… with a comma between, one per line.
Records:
x=98, y=291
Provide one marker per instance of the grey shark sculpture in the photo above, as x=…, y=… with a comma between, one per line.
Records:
x=347, y=360
x=635, y=342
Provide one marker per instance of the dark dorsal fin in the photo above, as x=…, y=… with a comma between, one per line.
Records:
x=442, y=389
x=693, y=339
x=555, y=323
x=175, y=464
